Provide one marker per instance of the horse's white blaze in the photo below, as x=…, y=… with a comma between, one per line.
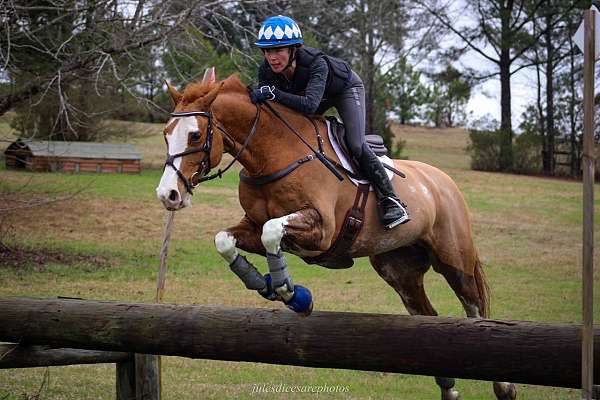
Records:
x=273, y=231
x=225, y=244
x=176, y=143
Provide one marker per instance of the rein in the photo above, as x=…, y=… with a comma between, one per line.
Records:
x=205, y=165
x=319, y=154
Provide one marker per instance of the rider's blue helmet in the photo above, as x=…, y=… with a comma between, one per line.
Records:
x=279, y=31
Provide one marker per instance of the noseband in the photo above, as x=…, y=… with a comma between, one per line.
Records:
x=205, y=165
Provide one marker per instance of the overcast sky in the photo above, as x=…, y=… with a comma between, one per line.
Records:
x=485, y=99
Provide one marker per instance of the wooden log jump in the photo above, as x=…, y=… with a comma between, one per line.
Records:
x=16, y=356
x=522, y=352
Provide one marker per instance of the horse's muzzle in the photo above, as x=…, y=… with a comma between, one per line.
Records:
x=172, y=199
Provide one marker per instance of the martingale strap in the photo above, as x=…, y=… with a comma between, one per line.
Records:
x=337, y=256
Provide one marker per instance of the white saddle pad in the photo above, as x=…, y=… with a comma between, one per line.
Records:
x=344, y=160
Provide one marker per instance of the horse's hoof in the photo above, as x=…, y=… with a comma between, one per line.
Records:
x=307, y=312
x=450, y=394
x=505, y=390
x=301, y=302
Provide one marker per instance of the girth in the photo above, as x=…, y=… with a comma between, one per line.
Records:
x=337, y=256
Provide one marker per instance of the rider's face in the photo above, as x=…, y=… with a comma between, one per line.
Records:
x=278, y=58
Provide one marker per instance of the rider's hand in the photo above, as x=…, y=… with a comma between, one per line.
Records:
x=262, y=94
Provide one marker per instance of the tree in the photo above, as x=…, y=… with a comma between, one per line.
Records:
x=184, y=61
x=57, y=54
x=434, y=107
x=373, y=36
x=408, y=92
x=553, y=56
x=500, y=32
x=455, y=94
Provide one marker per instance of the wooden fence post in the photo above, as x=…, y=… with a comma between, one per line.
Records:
x=587, y=342
x=148, y=374
x=126, y=380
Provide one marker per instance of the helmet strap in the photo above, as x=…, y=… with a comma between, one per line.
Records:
x=292, y=57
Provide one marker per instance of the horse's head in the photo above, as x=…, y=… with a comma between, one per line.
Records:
x=193, y=148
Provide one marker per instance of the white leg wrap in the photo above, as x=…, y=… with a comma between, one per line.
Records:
x=273, y=231
x=225, y=244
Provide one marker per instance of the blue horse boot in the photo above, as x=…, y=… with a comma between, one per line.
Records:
x=301, y=302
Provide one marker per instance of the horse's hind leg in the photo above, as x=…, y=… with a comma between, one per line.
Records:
x=463, y=272
x=403, y=269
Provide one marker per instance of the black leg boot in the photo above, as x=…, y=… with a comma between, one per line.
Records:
x=391, y=210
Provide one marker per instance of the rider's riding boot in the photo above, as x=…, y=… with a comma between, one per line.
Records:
x=391, y=210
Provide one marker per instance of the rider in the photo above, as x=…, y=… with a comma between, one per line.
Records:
x=311, y=82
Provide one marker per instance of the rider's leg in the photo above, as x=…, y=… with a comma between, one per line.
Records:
x=391, y=210
x=351, y=107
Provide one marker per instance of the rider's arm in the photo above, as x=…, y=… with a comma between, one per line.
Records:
x=309, y=103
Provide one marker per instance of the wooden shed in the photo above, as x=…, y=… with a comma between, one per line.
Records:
x=72, y=157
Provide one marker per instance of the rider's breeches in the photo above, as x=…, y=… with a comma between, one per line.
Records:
x=350, y=105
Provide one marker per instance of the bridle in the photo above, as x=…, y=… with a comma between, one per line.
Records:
x=205, y=166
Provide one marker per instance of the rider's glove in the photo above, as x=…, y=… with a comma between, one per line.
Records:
x=262, y=94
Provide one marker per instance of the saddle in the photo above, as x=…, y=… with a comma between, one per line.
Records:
x=375, y=142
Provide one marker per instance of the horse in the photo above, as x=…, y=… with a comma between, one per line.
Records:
x=302, y=211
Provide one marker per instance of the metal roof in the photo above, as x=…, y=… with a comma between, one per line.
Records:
x=45, y=148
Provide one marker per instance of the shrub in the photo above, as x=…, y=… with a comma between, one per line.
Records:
x=485, y=150
x=527, y=154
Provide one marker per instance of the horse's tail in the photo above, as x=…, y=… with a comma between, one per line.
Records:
x=483, y=288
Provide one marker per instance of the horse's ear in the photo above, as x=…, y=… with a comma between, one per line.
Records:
x=210, y=96
x=209, y=75
x=175, y=95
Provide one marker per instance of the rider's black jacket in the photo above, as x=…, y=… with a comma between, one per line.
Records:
x=317, y=80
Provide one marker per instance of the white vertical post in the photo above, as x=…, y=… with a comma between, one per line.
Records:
x=587, y=342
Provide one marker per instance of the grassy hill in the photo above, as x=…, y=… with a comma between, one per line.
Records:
x=104, y=242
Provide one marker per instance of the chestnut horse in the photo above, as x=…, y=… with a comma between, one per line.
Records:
x=302, y=212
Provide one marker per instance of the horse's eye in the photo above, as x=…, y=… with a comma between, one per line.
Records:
x=195, y=136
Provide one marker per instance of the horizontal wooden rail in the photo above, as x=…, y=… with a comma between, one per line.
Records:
x=17, y=356
x=526, y=352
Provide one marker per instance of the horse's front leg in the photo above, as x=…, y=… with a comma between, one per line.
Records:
x=246, y=236
x=276, y=285
x=279, y=282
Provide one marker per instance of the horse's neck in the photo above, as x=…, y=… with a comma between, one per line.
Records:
x=268, y=150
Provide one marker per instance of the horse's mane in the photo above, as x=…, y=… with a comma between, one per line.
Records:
x=234, y=85
x=196, y=90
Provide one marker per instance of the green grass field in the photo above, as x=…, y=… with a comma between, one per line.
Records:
x=104, y=243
